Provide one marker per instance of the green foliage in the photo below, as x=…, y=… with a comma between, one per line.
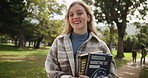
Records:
x=13, y=12
x=138, y=40
x=130, y=42
x=47, y=28
x=30, y=20
x=116, y=11
x=109, y=36
x=142, y=35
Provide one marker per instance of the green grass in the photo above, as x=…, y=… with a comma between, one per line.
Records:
x=22, y=63
x=29, y=63
x=122, y=61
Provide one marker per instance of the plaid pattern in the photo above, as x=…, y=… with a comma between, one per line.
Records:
x=60, y=59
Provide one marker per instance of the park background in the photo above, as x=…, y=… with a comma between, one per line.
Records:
x=28, y=28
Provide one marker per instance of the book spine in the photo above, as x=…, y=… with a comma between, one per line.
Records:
x=87, y=65
x=82, y=65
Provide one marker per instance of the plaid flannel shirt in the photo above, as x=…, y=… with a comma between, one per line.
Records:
x=60, y=62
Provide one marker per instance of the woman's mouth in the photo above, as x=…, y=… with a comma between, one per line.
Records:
x=77, y=22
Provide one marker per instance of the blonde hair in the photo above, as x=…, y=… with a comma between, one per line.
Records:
x=90, y=24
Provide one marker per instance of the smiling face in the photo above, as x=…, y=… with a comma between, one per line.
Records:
x=78, y=19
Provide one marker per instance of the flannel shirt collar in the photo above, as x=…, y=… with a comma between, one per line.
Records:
x=91, y=35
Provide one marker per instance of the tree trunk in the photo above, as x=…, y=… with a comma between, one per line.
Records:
x=21, y=37
x=120, y=48
x=121, y=31
x=16, y=42
x=34, y=44
x=38, y=42
x=6, y=39
x=29, y=44
x=45, y=43
x=0, y=39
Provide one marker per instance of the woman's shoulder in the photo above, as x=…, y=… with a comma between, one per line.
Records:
x=62, y=36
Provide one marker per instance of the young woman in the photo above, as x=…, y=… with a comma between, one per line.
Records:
x=79, y=36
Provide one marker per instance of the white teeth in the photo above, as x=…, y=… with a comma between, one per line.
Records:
x=76, y=22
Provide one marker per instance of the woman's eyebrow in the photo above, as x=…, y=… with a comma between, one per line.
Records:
x=70, y=11
x=76, y=11
x=79, y=10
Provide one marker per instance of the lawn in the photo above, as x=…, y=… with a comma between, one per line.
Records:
x=122, y=61
x=20, y=63
x=29, y=63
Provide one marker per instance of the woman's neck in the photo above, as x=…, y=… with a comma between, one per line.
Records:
x=80, y=32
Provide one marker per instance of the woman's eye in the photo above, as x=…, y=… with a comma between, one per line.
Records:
x=70, y=15
x=79, y=13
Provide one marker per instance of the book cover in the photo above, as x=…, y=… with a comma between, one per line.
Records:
x=95, y=64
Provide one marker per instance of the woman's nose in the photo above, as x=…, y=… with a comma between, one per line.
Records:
x=75, y=16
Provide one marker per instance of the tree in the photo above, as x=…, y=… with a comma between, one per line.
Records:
x=13, y=13
x=109, y=36
x=143, y=34
x=30, y=32
x=16, y=18
x=117, y=11
x=130, y=42
x=112, y=36
x=44, y=11
x=138, y=40
x=7, y=23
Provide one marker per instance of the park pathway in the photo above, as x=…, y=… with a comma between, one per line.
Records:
x=130, y=70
